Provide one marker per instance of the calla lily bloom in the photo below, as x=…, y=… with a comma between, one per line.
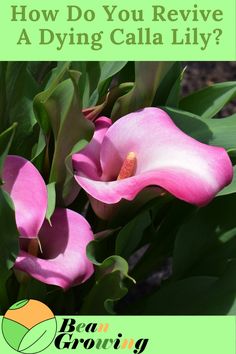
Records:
x=146, y=148
x=63, y=260
x=54, y=254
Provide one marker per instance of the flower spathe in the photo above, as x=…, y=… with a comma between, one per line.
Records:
x=63, y=261
x=28, y=191
x=54, y=254
x=162, y=155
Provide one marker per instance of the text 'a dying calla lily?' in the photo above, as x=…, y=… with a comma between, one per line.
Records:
x=54, y=254
x=146, y=148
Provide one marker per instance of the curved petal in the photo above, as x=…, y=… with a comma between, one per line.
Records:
x=88, y=159
x=64, y=261
x=29, y=194
x=167, y=157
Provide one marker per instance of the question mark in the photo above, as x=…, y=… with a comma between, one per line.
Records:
x=218, y=33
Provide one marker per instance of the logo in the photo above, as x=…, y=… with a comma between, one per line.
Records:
x=29, y=326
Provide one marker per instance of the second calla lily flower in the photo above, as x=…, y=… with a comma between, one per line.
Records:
x=54, y=254
x=146, y=148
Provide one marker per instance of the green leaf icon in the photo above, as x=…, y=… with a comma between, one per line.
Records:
x=39, y=337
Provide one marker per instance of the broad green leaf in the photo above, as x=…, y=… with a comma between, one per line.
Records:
x=231, y=188
x=101, y=248
x=223, y=292
x=219, y=132
x=107, y=71
x=127, y=74
x=5, y=143
x=4, y=299
x=70, y=128
x=168, y=93
x=51, y=188
x=174, y=95
x=195, y=295
x=38, y=151
x=90, y=75
x=201, y=239
x=232, y=310
x=112, y=264
x=167, y=220
x=96, y=251
x=113, y=95
x=40, y=70
x=210, y=100
x=32, y=289
x=131, y=234
x=95, y=79
x=9, y=235
x=111, y=279
x=104, y=293
x=40, y=99
x=20, y=91
x=184, y=297
x=148, y=76
x=57, y=74
x=3, y=66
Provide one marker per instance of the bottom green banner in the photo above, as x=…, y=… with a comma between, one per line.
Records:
x=29, y=326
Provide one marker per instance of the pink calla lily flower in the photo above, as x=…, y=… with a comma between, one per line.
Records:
x=146, y=148
x=28, y=191
x=63, y=261
x=54, y=254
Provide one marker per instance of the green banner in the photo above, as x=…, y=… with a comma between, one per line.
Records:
x=126, y=334
x=109, y=30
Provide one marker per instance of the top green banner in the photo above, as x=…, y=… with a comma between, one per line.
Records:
x=118, y=30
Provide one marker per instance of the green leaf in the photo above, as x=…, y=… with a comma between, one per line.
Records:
x=101, y=248
x=95, y=79
x=111, y=278
x=38, y=151
x=57, y=75
x=5, y=143
x=20, y=91
x=108, y=290
x=168, y=219
x=40, y=99
x=3, y=66
x=9, y=246
x=199, y=241
x=232, y=310
x=184, y=297
x=70, y=130
x=168, y=93
x=131, y=234
x=196, y=295
x=51, y=189
x=4, y=299
x=148, y=76
x=40, y=70
x=231, y=188
x=107, y=71
x=210, y=100
x=218, y=132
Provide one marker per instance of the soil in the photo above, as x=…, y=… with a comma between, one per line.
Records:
x=202, y=74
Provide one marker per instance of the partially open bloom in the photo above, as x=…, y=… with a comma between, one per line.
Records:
x=54, y=254
x=146, y=148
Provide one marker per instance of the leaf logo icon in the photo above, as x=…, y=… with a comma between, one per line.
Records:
x=29, y=326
